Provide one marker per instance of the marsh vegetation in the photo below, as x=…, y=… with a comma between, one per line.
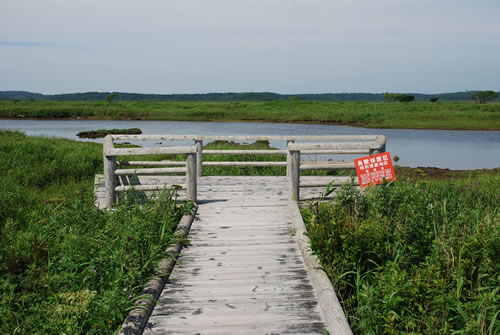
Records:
x=421, y=115
x=417, y=257
x=65, y=266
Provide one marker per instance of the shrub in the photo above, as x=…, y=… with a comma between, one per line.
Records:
x=413, y=257
x=484, y=96
x=391, y=97
x=406, y=98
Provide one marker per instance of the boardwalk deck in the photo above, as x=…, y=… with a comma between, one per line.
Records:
x=247, y=189
x=243, y=272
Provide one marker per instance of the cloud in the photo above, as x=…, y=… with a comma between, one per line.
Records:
x=35, y=44
x=286, y=46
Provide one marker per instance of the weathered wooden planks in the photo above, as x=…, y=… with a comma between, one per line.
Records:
x=243, y=272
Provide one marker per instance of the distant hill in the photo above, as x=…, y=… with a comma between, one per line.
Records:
x=224, y=97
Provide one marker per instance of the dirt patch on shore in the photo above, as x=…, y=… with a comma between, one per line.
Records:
x=435, y=173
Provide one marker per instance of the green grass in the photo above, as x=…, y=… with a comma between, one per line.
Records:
x=65, y=266
x=445, y=115
x=414, y=257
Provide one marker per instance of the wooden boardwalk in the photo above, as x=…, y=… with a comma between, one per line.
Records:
x=248, y=269
x=243, y=272
x=243, y=189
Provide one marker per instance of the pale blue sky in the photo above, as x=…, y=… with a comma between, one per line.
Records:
x=283, y=46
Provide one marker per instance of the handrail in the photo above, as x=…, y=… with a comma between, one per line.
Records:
x=244, y=137
x=151, y=151
x=377, y=145
x=111, y=172
x=151, y=163
x=338, y=148
x=295, y=166
x=338, y=144
x=245, y=152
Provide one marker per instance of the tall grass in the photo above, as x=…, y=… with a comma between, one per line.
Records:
x=65, y=266
x=419, y=258
x=446, y=115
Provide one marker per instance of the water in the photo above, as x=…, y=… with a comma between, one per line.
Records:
x=453, y=149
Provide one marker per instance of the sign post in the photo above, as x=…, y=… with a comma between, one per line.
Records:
x=372, y=170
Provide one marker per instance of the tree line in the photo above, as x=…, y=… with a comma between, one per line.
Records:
x=479, y=96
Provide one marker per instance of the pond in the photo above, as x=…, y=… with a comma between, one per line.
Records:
x=453, y=149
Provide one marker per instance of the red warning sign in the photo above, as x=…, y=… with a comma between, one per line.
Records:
x=372, y=170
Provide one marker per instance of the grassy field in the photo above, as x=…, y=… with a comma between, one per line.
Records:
x=66, y=267
x=446, y=115
x=414, y=257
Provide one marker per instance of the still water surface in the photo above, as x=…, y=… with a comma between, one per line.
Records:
x=453, y=149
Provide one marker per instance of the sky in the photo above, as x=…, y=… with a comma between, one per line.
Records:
x=282, y=46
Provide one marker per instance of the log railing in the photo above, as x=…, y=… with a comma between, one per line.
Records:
x=334, y=144
x=295, y=165
x=342, y=148
x=112, y=172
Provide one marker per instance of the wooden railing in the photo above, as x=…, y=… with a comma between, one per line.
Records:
x=295, y=149
x=112, y=172
x=336, y=144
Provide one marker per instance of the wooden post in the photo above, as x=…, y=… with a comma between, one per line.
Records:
x=199, y=157
x=109, y=173
x=294, y=176
x=110, y=180
x=191, y=177
x=380, y=140
x=288, y=153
